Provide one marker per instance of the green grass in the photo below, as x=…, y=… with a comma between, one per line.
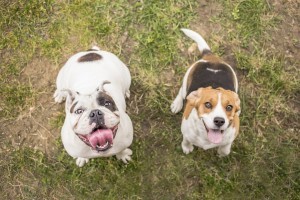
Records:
x=264, y=162
x=247, y=15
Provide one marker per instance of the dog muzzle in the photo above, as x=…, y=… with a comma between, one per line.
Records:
x=99, y=139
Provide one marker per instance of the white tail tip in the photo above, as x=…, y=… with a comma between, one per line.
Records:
x=95, y=48
x=202, y=45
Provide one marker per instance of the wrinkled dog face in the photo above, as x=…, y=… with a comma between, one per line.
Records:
x=94, y=118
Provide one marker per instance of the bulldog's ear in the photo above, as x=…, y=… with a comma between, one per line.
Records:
x=71, y=95
x=101, y=86
x=194, y=97
x=237, y=104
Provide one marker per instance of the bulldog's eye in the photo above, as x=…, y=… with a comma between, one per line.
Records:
x=107, y=103
x=229, y=108
x=208, y=105
x=78, y=111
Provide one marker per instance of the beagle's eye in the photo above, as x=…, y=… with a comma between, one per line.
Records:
x=229, y=108
x=208, y=105
x=79, y=111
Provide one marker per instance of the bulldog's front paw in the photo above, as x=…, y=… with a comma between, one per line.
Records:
x=176, y=106
x=187, y=147
x=124, y=155
x=59, y=96
x=81, y=161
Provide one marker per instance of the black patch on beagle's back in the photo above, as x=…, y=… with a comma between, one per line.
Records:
x=89, y=57
x=105, y=100
x=205, y=74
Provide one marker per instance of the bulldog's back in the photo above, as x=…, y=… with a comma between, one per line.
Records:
x=85, y=71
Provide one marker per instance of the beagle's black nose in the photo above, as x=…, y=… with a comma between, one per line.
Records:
x=219, y=121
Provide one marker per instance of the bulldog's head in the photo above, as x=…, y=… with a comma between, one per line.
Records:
x=216, y=108
x=94, y=118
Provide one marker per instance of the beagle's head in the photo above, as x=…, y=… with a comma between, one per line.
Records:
x=216, y=108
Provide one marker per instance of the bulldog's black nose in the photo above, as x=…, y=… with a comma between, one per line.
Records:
x=96, y=116
x=219, y=121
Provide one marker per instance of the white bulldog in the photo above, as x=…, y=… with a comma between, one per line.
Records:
x=94, y=84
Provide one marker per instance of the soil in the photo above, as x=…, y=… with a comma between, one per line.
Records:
x=32, y=127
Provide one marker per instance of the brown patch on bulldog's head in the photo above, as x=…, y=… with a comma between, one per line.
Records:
x=89, y=57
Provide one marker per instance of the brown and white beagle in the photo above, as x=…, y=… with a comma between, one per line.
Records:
x=212, y=105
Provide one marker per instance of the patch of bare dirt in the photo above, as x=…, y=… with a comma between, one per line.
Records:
x=285, y=39
x=32, y=127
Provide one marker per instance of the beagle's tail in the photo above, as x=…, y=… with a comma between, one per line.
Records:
x=202, y=45
x=96, y=48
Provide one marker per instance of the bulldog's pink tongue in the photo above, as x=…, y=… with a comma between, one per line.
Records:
x=214, y=136
x=100, y=137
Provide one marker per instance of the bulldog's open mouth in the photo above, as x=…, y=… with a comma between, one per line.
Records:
x=100, y=139
x=214, y=135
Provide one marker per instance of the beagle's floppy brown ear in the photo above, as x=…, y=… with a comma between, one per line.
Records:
x=237, y=104
x=194, y=97
x=192, y=100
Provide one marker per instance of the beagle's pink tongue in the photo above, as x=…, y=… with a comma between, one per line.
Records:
x=214, y=136
x=100, y=137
